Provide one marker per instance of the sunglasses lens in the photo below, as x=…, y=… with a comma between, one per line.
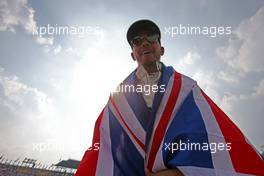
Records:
x=137, y=41
x=153, y=38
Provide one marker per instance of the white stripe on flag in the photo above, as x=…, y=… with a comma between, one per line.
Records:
x=221, y=158
x=129, y=116
x=105, y=159
x=138, y=147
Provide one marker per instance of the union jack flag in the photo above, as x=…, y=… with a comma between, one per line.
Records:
x=133, y=137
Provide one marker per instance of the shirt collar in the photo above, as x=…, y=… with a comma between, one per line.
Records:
x=141, y=71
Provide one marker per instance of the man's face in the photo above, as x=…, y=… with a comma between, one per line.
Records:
x=147, y=52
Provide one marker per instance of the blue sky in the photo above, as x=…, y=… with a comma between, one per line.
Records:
x=52, y=88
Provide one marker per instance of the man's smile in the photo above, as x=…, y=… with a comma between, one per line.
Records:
x=146, y=52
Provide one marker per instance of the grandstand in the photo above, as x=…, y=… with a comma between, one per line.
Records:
x=30, y=167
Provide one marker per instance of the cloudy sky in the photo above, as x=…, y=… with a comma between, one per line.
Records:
x=54, y=85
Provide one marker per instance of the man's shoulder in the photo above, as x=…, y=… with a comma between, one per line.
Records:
x=187, y=83
x=130, y=79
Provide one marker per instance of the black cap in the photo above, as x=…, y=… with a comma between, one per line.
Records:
x=142, y=25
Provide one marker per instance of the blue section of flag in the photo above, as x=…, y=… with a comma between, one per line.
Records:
x=187, y=127
x=127, y=159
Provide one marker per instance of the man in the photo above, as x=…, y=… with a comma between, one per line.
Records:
x=160, y=123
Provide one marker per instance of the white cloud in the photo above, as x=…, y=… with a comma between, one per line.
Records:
x=57, y=50
x=20, y=98
x=15, y=13
x=228, y=77
x=44, y=40
x=189, y=59
x=246, y=111
x=186, y=64
x=259, y=90
x=244, y=51
x=204, y=79
x=228, y=101
x=207, y=81
x=33, y=124
x=28, y=117
x=244, y=54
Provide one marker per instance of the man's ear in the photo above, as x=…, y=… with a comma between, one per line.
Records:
x=132, y=55
x=162, y=50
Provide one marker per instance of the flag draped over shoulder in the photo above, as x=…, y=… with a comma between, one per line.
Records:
x=184, y=129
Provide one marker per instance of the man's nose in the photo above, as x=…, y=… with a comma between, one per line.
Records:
x=145, y=42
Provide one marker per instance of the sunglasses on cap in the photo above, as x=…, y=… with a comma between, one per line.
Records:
x=138, y=40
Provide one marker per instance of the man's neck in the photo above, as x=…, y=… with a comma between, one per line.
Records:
x=151, y=67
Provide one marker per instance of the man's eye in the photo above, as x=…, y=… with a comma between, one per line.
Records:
x=153, y=38
x=137, y=41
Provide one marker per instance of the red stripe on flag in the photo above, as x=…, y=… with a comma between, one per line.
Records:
x=164, y=120
x=244, y=158
x=88, y=164
x=130, y=131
